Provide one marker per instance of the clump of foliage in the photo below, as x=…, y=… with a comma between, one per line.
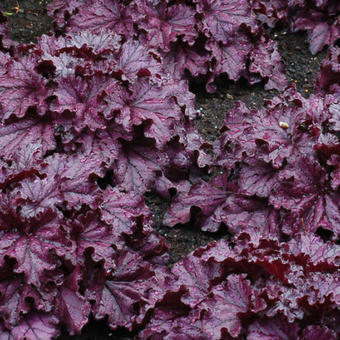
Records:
x=99, y=113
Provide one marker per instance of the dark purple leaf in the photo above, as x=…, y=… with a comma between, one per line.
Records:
x=204, y=196
x=301, y=191
x=328, y=78
x=127, y=295
x=222, y=19
x=35, y=327
x=26, y=132
x=145, y=102
x=31, y=244
x=184, y=57
x=103, y=15
x=321, y=32
x=72, y=175
x=61, y=10
x=73, y=308
x=266, y=61
x=83, y=98
x=19, y=94
x=164, y=24
x=90, y=234
x=273, y=329
x=231, y=56
x=120, y=210
x=258, y=178
x=318, y=333
x=228, y=302
x=220, y=203
x=135, y=60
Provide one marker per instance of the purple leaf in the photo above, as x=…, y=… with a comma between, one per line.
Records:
x=183, y=57
x=126, y=296
x=120, y=210
x=103, y=15
x=26, y=132
x=36, y=327
x=72, y=175
x=19, y=94
x=266, y=61
x=61, y=10
x=73, y=308
x=221, y=204
x=328, y=78
x=90, y=234
x=196, y=276
x=31, y=243
x=221, y=20
x=258, y=178
x=24, y=164
x=202, y=195
x=318, y=333
x=231, y=57
x=302, y=192
x=164, y=24
x=83, y=98
x=321, y=29
x=137, y=167
x=136, y=60
x=102, y=145
x=273, y=329
x=146, y=103
x=228, y=302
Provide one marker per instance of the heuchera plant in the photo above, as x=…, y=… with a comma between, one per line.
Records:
x=257, y=289
x=197, y=39
x=319, y=18
x=281, y=170
x=98, y=114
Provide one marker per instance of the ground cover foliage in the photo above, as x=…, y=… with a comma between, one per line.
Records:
x=99, y=112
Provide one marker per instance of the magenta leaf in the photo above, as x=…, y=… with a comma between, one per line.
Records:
x=146, y=103
x=125, y=297
x=223, y=19
x=231, y=57
x=105, y=14
x=163, y=25
x=33, y=252
x=136, y=60
x=120, y=210
x=26, y=132
x=273, y=329
x=19, y=94
x=318, y=333
x=90, y=234
x=36, y=327
x=227, y=303
x=83, y=98
x=266, y=61
x=73, y=308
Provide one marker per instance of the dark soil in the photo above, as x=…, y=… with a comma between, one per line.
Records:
x=28, y=20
